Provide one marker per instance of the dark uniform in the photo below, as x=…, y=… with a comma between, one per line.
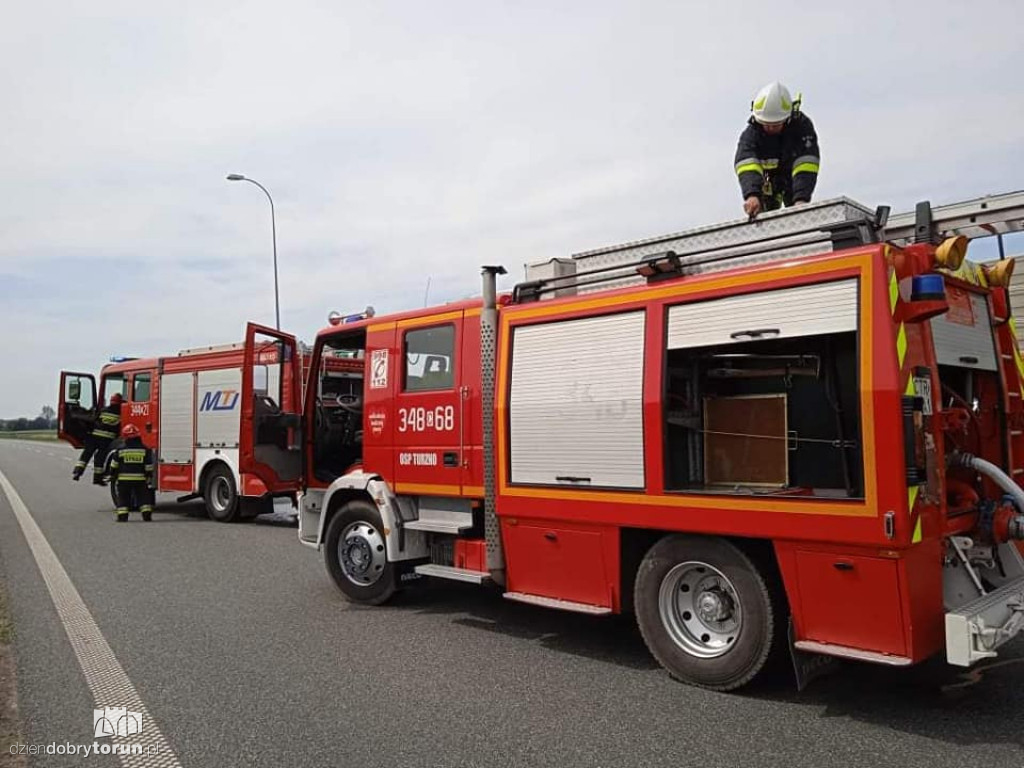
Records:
x=132, y=469
x=780, y=169
x=106, y=429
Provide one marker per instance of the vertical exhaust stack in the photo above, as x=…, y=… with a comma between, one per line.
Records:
x=488, y=358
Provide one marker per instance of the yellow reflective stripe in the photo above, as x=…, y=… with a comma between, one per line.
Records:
x=805, y=168
x=131, y=477
x=755, y=167
x=911, y=389
x=770, y=164
x=912, y=492
x=901, y=344
x=894, y=292
x=103, y=433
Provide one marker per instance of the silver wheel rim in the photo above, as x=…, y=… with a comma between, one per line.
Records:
x=361, y=553
x=220, y=494
x=700, y=609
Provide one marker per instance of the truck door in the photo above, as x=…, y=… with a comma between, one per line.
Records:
x=428, y=408
x=271, y=406
x=139, y=408
x=77, y=408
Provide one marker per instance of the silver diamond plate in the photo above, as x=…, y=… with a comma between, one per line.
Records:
x=774, y=236
x=488, y=355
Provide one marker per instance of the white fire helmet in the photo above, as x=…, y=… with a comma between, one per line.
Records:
x=773, y=104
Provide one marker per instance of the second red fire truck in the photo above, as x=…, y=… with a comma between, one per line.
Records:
x=222, y=420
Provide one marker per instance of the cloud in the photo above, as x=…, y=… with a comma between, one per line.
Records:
x=411, y=141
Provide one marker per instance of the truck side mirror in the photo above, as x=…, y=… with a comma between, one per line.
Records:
x=75, y=389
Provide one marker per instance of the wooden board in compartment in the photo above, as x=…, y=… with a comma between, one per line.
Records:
x=745, y=441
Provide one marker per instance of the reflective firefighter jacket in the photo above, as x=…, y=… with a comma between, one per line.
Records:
x=133, y=463
x=108, y=425
x=780, y=169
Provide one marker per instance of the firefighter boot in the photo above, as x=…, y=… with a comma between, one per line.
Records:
x=122, y=516
x=76, y=473
x=147, y=514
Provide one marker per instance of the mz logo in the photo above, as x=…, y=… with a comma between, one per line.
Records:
x=219, y=400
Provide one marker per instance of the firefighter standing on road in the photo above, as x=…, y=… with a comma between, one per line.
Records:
x=777, y=158
x=98, y=442
x=132, y=470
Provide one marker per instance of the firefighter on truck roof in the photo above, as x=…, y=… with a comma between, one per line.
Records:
x=103, y=433
x=132, y=470
x=777, y=157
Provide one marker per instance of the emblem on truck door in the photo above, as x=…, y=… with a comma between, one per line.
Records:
x=379, y=369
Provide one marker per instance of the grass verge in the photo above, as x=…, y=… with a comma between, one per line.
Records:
x=46, y=435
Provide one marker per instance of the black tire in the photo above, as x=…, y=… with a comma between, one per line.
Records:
x=221, y=495
x=358, y=563
x=737, y=616
x=107, y=471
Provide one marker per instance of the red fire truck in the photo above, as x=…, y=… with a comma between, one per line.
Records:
x=799, y=435
x=222, y=420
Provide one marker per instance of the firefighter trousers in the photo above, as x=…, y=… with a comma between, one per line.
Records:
x=134, y=496
x=95, y=448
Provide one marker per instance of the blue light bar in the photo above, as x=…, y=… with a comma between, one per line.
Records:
x=928, y=288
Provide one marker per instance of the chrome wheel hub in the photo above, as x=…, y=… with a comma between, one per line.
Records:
x=361, y=553
x=700, y=609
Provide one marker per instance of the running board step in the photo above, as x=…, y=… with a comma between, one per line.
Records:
x=843, y=652
x=562, y=605
x=437, y=526
x=455, y=574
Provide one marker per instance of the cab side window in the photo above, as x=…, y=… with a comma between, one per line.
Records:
x=430, y=358
x=141, y=387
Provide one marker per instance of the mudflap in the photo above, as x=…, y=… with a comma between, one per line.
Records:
x=405, y=573
x=809, y=666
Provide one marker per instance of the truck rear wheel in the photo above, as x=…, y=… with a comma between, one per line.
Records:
x=356, y=556
x=706, y=612
x=221, y=495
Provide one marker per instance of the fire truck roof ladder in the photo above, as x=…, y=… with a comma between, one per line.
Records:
x=775, y=236
x=211, y=350
x=982, y=217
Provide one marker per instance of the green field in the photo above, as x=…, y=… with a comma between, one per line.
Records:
x=30, y=434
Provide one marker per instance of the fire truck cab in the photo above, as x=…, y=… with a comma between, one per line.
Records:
x=222, y=420
x=800, y=435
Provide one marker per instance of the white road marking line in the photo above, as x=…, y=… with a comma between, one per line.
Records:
x=104, y=674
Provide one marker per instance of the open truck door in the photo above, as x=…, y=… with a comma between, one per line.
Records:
x=270, y=439
x=76, y=411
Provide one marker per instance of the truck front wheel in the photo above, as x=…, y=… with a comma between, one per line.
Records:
x=356, y=556
x=707, y=613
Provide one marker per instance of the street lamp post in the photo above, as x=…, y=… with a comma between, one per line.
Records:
x=273, y=230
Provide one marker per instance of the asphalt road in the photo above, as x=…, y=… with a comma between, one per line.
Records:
x=246, y=655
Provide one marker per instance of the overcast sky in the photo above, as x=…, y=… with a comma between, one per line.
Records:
x=411, y=140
